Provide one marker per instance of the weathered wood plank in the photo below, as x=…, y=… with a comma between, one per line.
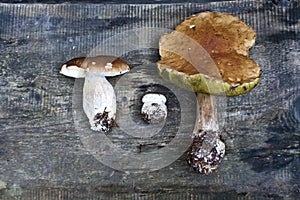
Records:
x=42, y=155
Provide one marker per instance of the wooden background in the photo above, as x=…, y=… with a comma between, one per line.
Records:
x=42, y=155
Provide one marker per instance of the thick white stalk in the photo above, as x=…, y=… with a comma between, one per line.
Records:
x=99, y=102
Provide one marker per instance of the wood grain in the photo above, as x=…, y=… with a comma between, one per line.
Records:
x=42, y=156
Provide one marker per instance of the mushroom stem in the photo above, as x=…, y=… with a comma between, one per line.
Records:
x=99, y=102
x=207, y=119
x=207, y=149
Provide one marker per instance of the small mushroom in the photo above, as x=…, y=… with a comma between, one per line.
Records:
x=99, y=99
x=222, y=66
x=154, y=109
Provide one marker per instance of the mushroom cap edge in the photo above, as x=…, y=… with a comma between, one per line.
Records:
x=203, y=84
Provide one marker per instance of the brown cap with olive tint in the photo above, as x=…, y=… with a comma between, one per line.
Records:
x=226, y=40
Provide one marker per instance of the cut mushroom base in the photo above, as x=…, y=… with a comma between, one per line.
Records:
x=207, y=152
x=103, y=120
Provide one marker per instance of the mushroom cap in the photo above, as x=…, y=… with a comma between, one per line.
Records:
x=222, y=62
x=154, y=98
x=103, y=65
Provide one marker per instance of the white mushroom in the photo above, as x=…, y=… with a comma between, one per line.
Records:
x=99, y=99
x=154, y=109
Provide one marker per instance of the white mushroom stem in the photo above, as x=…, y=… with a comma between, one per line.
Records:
x=99, y=102
x=207, y=117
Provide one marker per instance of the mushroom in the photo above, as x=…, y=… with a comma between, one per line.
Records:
x=99, y=99
x=215, y=62
x=154, y=109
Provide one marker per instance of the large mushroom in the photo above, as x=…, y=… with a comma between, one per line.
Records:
x=209, y=52
x=99, y=99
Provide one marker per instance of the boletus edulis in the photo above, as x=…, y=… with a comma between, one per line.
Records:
x=222, y=67
x=99, y=99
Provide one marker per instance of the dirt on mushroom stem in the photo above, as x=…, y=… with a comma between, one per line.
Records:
x=104, y=121
x=206, y=153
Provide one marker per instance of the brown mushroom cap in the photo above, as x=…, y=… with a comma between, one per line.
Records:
x=223, y=66
x=219, y=32
x=104, y=65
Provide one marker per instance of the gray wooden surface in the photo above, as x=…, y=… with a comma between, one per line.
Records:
x=42, y=156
